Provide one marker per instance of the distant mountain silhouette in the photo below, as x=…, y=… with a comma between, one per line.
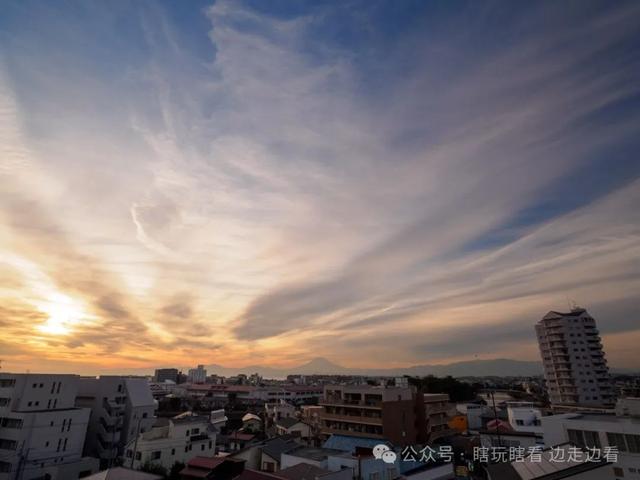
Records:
x=501, y=367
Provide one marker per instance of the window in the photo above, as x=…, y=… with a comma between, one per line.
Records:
x=210, y=444
x=4, y=401
x=195, y=431
x=173, y=451
x=41, y=385
x=519, y=422
x=144, y=415
x=55, y=403
x=156, y=455
x=187, y=434
x=46, y=444
x=64, y=424
x=584, y=438
x=53, y=387
x=186, y=449
x=59, y=443
x=49, y=404
x=202, y=447
x=129, y=454
x=8, y=444
x=633, y=443
x=5, y=467
x=59, y=385
x=138, y=456
x=618, y=472
x=69, y=425
x=35, y=385
x=64, y=446
x=11, y=422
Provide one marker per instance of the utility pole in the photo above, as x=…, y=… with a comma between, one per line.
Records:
x=135, y=443
x=495, y=416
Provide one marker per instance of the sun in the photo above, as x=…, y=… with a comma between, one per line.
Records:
x=62, y=312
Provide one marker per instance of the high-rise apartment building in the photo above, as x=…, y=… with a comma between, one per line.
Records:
x=42, y=433
x=121, y=408
x=575, y=368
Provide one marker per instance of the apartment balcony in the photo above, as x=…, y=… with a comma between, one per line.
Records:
x=436, y=410
x=351, y=433
x=339, y=402
x=356, y=419
x=112, y=408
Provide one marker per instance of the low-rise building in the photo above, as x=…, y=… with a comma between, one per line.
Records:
x=163, y=374
x=278, y=410
x=396, y=414
x=546, y=465
x=524, y=417
x=197, y=375
x=42, y=432
x=614, y=432
x=437, y=414
x=171, y=440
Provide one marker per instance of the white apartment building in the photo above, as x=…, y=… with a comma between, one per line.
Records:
x=197, y=375
x=177, y=439
x=575, y=368
x=41, y=431
x=279, y=410
x=600, y=431
x=524, y=417
x=121, y=408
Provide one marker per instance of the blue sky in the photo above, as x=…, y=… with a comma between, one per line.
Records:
x=270, y=181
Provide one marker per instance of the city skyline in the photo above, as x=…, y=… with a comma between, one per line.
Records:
x=242, y=183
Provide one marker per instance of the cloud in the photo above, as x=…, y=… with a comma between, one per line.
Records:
x=361, y=182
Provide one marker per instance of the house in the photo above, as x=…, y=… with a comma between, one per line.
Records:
x=177, y=439
x=236, y=441
x=317, y=456
x=218, y=468
x=306, y=471
x=272, y=451
x=121, y=473
x=293, y=426
x=251, y=423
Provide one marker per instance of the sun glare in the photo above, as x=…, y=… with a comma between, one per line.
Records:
x=63, y=313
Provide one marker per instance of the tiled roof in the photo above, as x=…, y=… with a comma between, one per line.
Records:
x=302, y=471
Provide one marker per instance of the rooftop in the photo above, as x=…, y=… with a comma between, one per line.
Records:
x=314, y=453
x=120, y=473
x=302, y=471
x=544, y=469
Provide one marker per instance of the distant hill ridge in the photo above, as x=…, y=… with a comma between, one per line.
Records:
x=501, y=367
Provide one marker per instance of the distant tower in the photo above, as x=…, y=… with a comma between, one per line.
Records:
x=575, y=369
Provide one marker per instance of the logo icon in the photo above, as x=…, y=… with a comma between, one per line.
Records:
x=384, y=453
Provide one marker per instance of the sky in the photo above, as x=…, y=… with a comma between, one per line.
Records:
x=382, y=184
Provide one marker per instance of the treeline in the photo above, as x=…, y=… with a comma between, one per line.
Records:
x=458, y=391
